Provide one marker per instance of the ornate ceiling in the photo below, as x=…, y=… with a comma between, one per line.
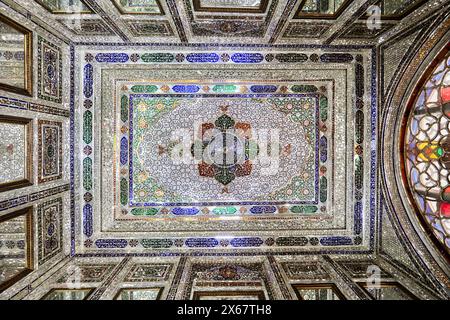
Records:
x=223, y=21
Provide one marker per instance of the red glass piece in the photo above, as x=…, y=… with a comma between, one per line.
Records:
x=445, y=210
x=445, y=94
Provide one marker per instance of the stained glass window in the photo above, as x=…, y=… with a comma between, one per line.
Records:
x=427, y=151
x=230, y=3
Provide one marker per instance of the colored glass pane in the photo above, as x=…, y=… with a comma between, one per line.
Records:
x=427, y=151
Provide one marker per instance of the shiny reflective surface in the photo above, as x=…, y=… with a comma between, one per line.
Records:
x=427, y=151
x=65, y=6
x=389, y=291
x=322, y=8
x=68, y=294
x=230, y=3
x=317, y=292
x=245, y=6
x=398, y=8
x=15, y=153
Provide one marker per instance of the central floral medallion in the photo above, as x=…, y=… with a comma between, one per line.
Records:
x=225, y=149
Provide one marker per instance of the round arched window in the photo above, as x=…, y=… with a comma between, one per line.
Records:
x=427, y=151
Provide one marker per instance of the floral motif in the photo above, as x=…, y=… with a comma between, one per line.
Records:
x=50, y=71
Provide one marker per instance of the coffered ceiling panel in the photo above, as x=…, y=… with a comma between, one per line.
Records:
x=65, y=6
x=321, y=9
x=226, y=21
x=213, y=18
x=150, y=28
x=90, y=27
x=141, y=197
x=250, y=6
x=139, y=6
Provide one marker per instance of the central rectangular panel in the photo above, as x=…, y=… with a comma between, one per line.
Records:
x=196, y=151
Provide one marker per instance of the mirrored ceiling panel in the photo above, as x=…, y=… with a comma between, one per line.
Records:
x=65, y=6
x=398, y=8
x=317, y=292
x=230, y=3
x=12, y=56
x=321, y=8
x=15, y=153
x=251, y=6
x=388, y=291
x=139, y=6
x=15, y=57
x=139, y=294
